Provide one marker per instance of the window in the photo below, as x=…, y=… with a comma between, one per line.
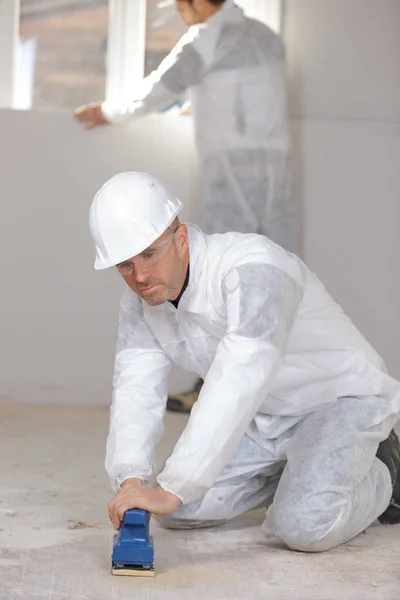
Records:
x=75, y=51
x=142, y=32
x=164, y=28
x=61, y=59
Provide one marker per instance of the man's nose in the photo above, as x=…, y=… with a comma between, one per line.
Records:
x=140, y=274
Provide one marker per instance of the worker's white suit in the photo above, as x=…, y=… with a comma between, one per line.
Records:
x=289, y=384
x=234, y=70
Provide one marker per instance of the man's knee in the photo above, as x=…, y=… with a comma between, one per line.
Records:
x=309, y=529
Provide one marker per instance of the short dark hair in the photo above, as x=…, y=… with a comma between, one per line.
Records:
x=175, y=223
x=214, y=2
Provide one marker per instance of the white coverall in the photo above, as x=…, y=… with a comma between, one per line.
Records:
x=289, y=384
x=234, y=69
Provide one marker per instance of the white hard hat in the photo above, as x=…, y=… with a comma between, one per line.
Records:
x=127, y=215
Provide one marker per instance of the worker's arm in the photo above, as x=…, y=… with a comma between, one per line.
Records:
x=183, y=68
x=140, y=396
x=261, y=303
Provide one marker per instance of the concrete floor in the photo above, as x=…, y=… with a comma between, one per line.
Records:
x=55, y=538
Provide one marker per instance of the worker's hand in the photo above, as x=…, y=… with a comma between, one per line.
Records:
x=186, y=109
x=134, y=495
x=132, y=481
x=91, y=114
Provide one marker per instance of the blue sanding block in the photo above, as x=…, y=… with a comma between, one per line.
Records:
x=133, y=552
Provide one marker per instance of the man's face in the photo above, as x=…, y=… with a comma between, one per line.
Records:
x=162, y=281
x=190, y=12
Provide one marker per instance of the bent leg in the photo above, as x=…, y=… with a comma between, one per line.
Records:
x=333, y=486
x=248, y=481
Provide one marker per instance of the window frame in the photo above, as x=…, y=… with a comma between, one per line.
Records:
x=125, y=49
x=9, y=28
x=126, y=43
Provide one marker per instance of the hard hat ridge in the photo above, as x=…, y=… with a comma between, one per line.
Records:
x=129, y=212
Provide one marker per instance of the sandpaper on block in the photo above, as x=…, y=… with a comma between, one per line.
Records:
x=133, y=551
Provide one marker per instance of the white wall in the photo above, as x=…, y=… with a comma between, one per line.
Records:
x=344, y=73
x=344, y=59
x=58, y=317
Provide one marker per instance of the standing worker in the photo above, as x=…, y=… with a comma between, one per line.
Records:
x=234, y=68
x=296, y=407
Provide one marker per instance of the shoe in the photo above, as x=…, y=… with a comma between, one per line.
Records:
x=184, y=402
x=389, y=453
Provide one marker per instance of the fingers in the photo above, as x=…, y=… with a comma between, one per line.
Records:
x=155, y=500
x=124, y=499
x=116, y=512
x=115, y=520
x=78, y=114
x=113, y=514
x=84, y=114
x=91, y=114
x=121, y=510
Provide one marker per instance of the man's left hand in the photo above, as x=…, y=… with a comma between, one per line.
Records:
x=92, y=114
x=155, y=500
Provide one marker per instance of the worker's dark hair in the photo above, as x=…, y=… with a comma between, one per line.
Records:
x=214, y=2
x=175, y=223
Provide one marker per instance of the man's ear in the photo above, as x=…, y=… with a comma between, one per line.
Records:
x=182, y=238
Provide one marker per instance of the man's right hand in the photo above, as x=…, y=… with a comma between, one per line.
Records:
x=186, y=109
x=133, y=495
x=131, y=481
x=91, y=114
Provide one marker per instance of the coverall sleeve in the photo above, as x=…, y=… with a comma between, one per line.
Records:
x=183, y=68
x=139, y=398
x=261, y=303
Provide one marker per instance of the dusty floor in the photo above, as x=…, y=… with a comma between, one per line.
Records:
x=55, y=539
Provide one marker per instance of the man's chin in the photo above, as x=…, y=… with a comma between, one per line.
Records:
x=154, y=301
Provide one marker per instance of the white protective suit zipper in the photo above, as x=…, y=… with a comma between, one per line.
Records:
x=186, y=332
